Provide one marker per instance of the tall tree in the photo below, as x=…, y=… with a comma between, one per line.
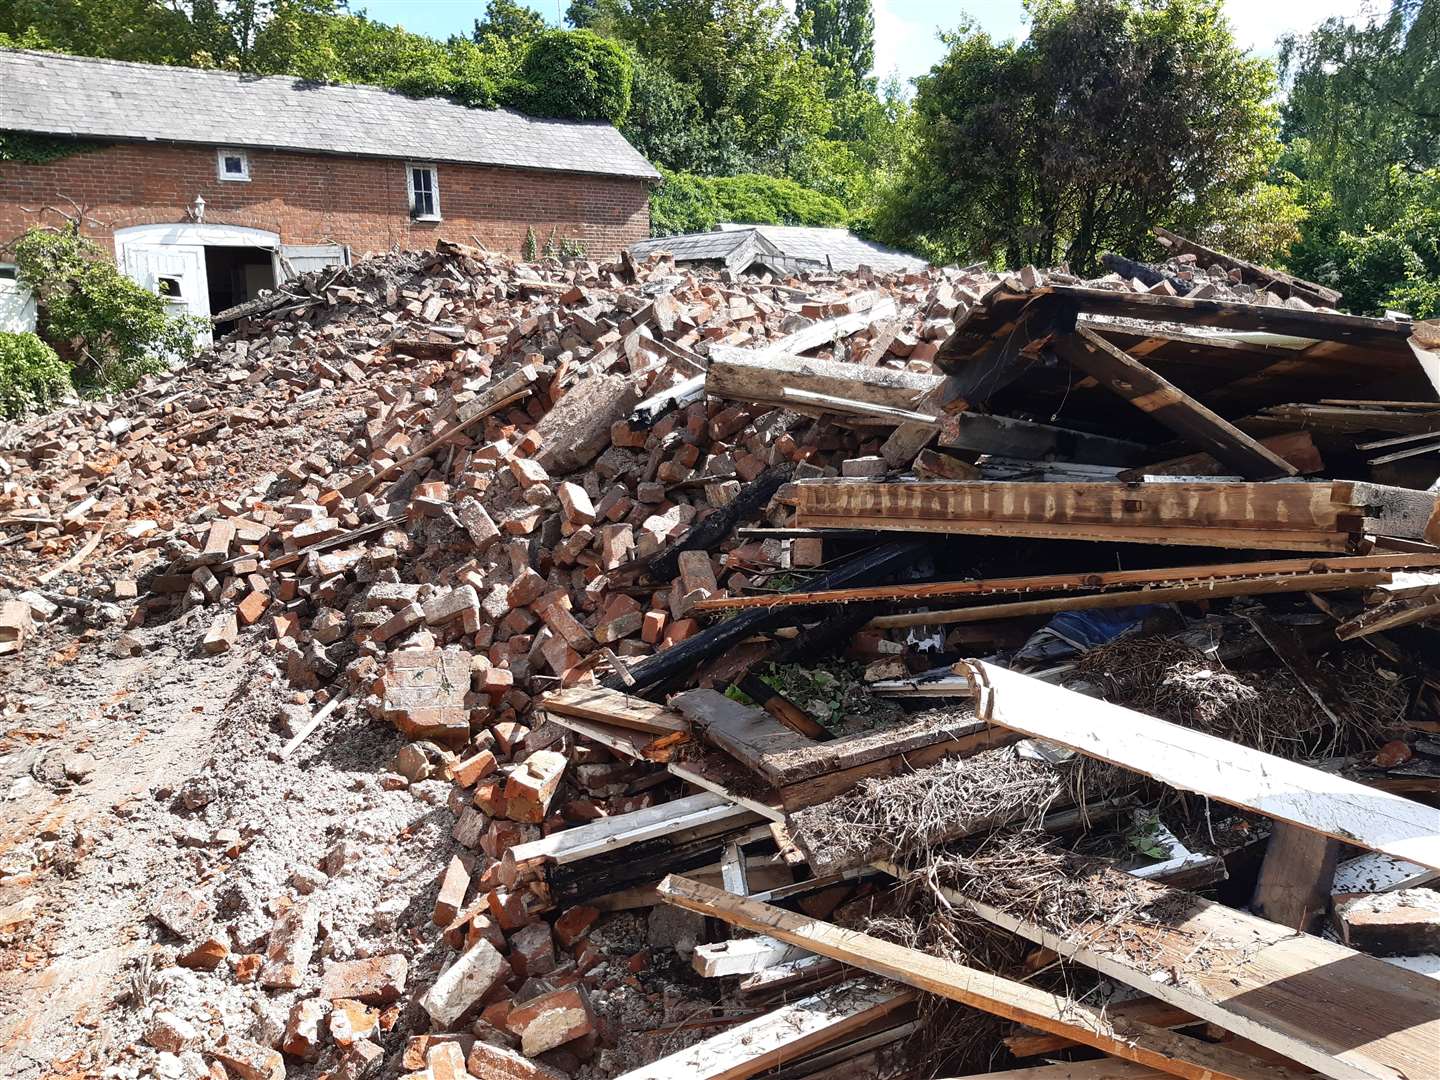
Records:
x=841, y=34
x=1111, y=117
x=1362, y=123
x=509, y=21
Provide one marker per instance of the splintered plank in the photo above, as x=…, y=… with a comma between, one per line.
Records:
x=1029, y=1043
x=637, y=745
x=613, y=707
x=1389, y=616
x=1170, y=406
x=783, y=1035
x=1344, y=1014
x=747, y=734
x=1192, y=761
x=1147, y=1044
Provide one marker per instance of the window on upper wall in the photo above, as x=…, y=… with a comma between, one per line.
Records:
x=424, y=190
x=232, y=165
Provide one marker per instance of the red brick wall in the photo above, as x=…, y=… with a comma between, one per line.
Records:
x=318, y=198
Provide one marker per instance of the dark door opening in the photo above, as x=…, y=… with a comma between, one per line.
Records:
x=236, y=274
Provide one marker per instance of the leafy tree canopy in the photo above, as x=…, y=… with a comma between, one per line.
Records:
x=1111, y=117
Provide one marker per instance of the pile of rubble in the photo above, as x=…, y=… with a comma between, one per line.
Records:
x=605, y=544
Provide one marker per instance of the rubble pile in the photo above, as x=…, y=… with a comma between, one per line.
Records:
x=606, y=547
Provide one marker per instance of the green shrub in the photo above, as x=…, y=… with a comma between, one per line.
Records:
x=573, y=73
x=32, y=377
x=687, y=203
x=112, y=330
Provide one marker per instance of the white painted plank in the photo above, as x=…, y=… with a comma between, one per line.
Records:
x=1373, y=872
x=583, y=841
x=1192, y=761
x=779, y=1036
x=743, y=956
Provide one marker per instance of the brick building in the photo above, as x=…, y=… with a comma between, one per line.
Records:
x=210, y=185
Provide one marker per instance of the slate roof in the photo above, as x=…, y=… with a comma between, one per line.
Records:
x=112, y=99
x=844, y=250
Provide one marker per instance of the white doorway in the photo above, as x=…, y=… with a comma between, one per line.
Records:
x=204, y=269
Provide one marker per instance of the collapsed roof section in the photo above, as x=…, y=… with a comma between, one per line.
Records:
x=782, y=249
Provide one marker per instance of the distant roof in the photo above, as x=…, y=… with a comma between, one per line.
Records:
x=112, y=99
x=797, y=247
x=843, y=248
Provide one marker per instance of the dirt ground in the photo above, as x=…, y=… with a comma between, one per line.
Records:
x=123, y=778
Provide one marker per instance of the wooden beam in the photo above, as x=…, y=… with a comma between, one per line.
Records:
x=1133, y=1040
x=766, y=377
x=1193, y=761
x=1295, y=877
x=1168, y=405
x=1159, y=595
x=1234, y=315
x=1102, y=579
x=742, y=956
x=1291, y=516
x=785, y=1034
x=612, y=707
x=1025, y=1044
x=1344, y=1014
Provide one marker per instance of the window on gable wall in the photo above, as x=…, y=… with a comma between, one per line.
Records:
x=424, y=190
x=232, y=165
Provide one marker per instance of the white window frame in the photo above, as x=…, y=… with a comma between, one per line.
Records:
x=221, y=154
x=410, y=168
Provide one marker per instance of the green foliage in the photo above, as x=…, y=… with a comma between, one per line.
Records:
x=532, y=244
x=748, y=94
x=508, y=20
x=111, y=329
x=1362, y=120
x=573, y=73
x=1112, y=115
x=1260, y=224
x=688, y=203
x=32, y=149
x=841, y=35
x=32, y=377
x=1388, y=259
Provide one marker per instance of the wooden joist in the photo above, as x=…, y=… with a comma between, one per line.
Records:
x=1344, y=1014
x=782, y=1035
x=1282, y=516
x=1147, y=1044
x=1102, y=579
x=1214, y=590
x=1192, y=761
x=1168, y=405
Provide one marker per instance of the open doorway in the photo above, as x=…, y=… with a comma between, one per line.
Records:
x=236, y=274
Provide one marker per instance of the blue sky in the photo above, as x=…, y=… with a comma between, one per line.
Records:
x=906, y=31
